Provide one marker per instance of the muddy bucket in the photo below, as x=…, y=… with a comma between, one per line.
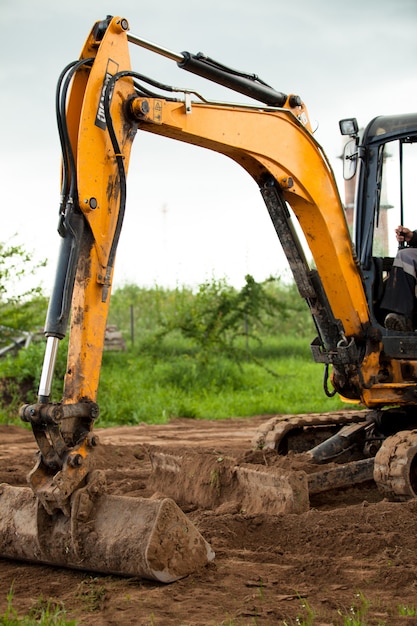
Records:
x=121, y=535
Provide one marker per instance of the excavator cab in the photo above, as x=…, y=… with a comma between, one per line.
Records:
x=380, y=161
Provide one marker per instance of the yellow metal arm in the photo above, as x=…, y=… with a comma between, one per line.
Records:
x=102, y=165
x=95, y=161
x=104, y=113
x=275, y=142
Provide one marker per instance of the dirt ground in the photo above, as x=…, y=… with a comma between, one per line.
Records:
x=349, y=555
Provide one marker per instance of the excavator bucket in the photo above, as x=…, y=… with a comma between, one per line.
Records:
x=148, y=538
x=248, y=488
x=212, y=481
x=264, y=481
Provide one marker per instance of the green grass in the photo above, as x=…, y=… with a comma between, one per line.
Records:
x=212, y=354
x=52, y=613
x=176, y=381
x=147, y=388
x=407, y=611
x=43, y=613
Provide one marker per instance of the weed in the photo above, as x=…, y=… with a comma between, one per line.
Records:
x=91, y=594
x=48, y=612
x=43, y=613
x=356, y=615
x=408, y=611
x=308, y=616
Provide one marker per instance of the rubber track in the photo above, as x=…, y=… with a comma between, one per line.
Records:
x=271, y=433
x=392, y=466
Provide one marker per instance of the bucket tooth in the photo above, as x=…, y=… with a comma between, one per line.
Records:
x=148, y=538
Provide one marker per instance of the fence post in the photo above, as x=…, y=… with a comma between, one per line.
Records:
x=132, y=325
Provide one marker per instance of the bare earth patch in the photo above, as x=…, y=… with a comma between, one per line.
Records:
x=349, y=550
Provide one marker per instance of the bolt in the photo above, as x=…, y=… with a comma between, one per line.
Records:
x=286, y=182
x=121, y=25
x=144, y=107
x=94, y=411
x=93, y=440
x=294, y=101
x=76, y=460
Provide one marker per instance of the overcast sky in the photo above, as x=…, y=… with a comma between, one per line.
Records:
x=193, y=214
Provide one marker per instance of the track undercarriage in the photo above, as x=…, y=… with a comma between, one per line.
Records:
x=295, y=458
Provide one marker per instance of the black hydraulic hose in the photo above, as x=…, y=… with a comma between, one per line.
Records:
x=122, y=178
x=69, y=175
x=144, y=92
x=120, y=162
x=71, y=219
x=147, y=79
x=63, y=133
x=71, y=223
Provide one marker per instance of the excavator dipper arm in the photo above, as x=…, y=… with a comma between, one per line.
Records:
x=94, y=166
x=66, y=518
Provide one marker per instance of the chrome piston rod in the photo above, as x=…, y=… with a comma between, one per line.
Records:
x=153, y=47
x=48, y=368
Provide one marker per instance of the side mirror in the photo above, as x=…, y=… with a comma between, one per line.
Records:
x=350, y=159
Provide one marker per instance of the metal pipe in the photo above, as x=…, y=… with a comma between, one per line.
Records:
x=153, y=47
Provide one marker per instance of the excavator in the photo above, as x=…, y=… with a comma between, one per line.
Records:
x=65, y=517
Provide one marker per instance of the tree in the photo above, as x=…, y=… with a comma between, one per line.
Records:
x=22, y=305
x=218, y=315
